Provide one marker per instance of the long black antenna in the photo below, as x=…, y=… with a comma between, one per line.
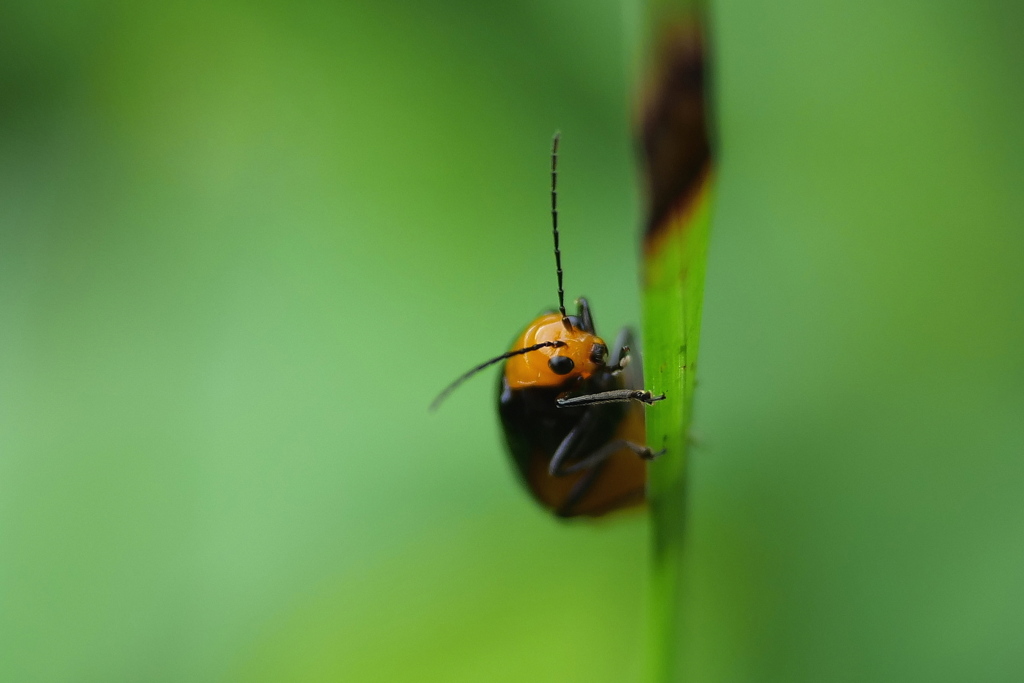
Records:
x=554, y=227
x=454, y=385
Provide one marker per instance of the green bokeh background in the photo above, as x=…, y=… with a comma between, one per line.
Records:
x=242, y=245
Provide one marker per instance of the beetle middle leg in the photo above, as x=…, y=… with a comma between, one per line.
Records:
x=575, y=440
x=593, y=465
x=580, y=440
x=600, y=455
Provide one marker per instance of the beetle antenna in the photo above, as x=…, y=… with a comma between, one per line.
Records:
x=554, y=227
x=454, y=385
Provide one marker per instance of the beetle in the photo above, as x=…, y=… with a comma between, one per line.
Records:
x=573, y=417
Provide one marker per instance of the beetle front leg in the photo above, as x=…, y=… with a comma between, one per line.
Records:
x=614, y=396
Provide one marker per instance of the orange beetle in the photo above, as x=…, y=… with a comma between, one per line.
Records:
x=573, y=417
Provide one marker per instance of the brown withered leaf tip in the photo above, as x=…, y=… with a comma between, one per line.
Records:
x=674, y=132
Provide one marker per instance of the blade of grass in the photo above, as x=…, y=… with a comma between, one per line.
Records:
x=680, y=183
x=672, y=307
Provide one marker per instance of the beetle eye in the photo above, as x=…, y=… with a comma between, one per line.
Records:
x=599, y=354
x=561, y=365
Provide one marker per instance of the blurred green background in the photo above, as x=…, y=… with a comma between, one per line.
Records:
x=242, y=246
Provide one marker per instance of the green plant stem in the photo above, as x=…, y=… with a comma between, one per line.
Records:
x=673, y=295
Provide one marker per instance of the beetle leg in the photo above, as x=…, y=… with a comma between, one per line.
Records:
x=602, y=454
x=580, y=489
x=620, y=356
x=572, y=441
x=614, y=396
x=583, y=312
